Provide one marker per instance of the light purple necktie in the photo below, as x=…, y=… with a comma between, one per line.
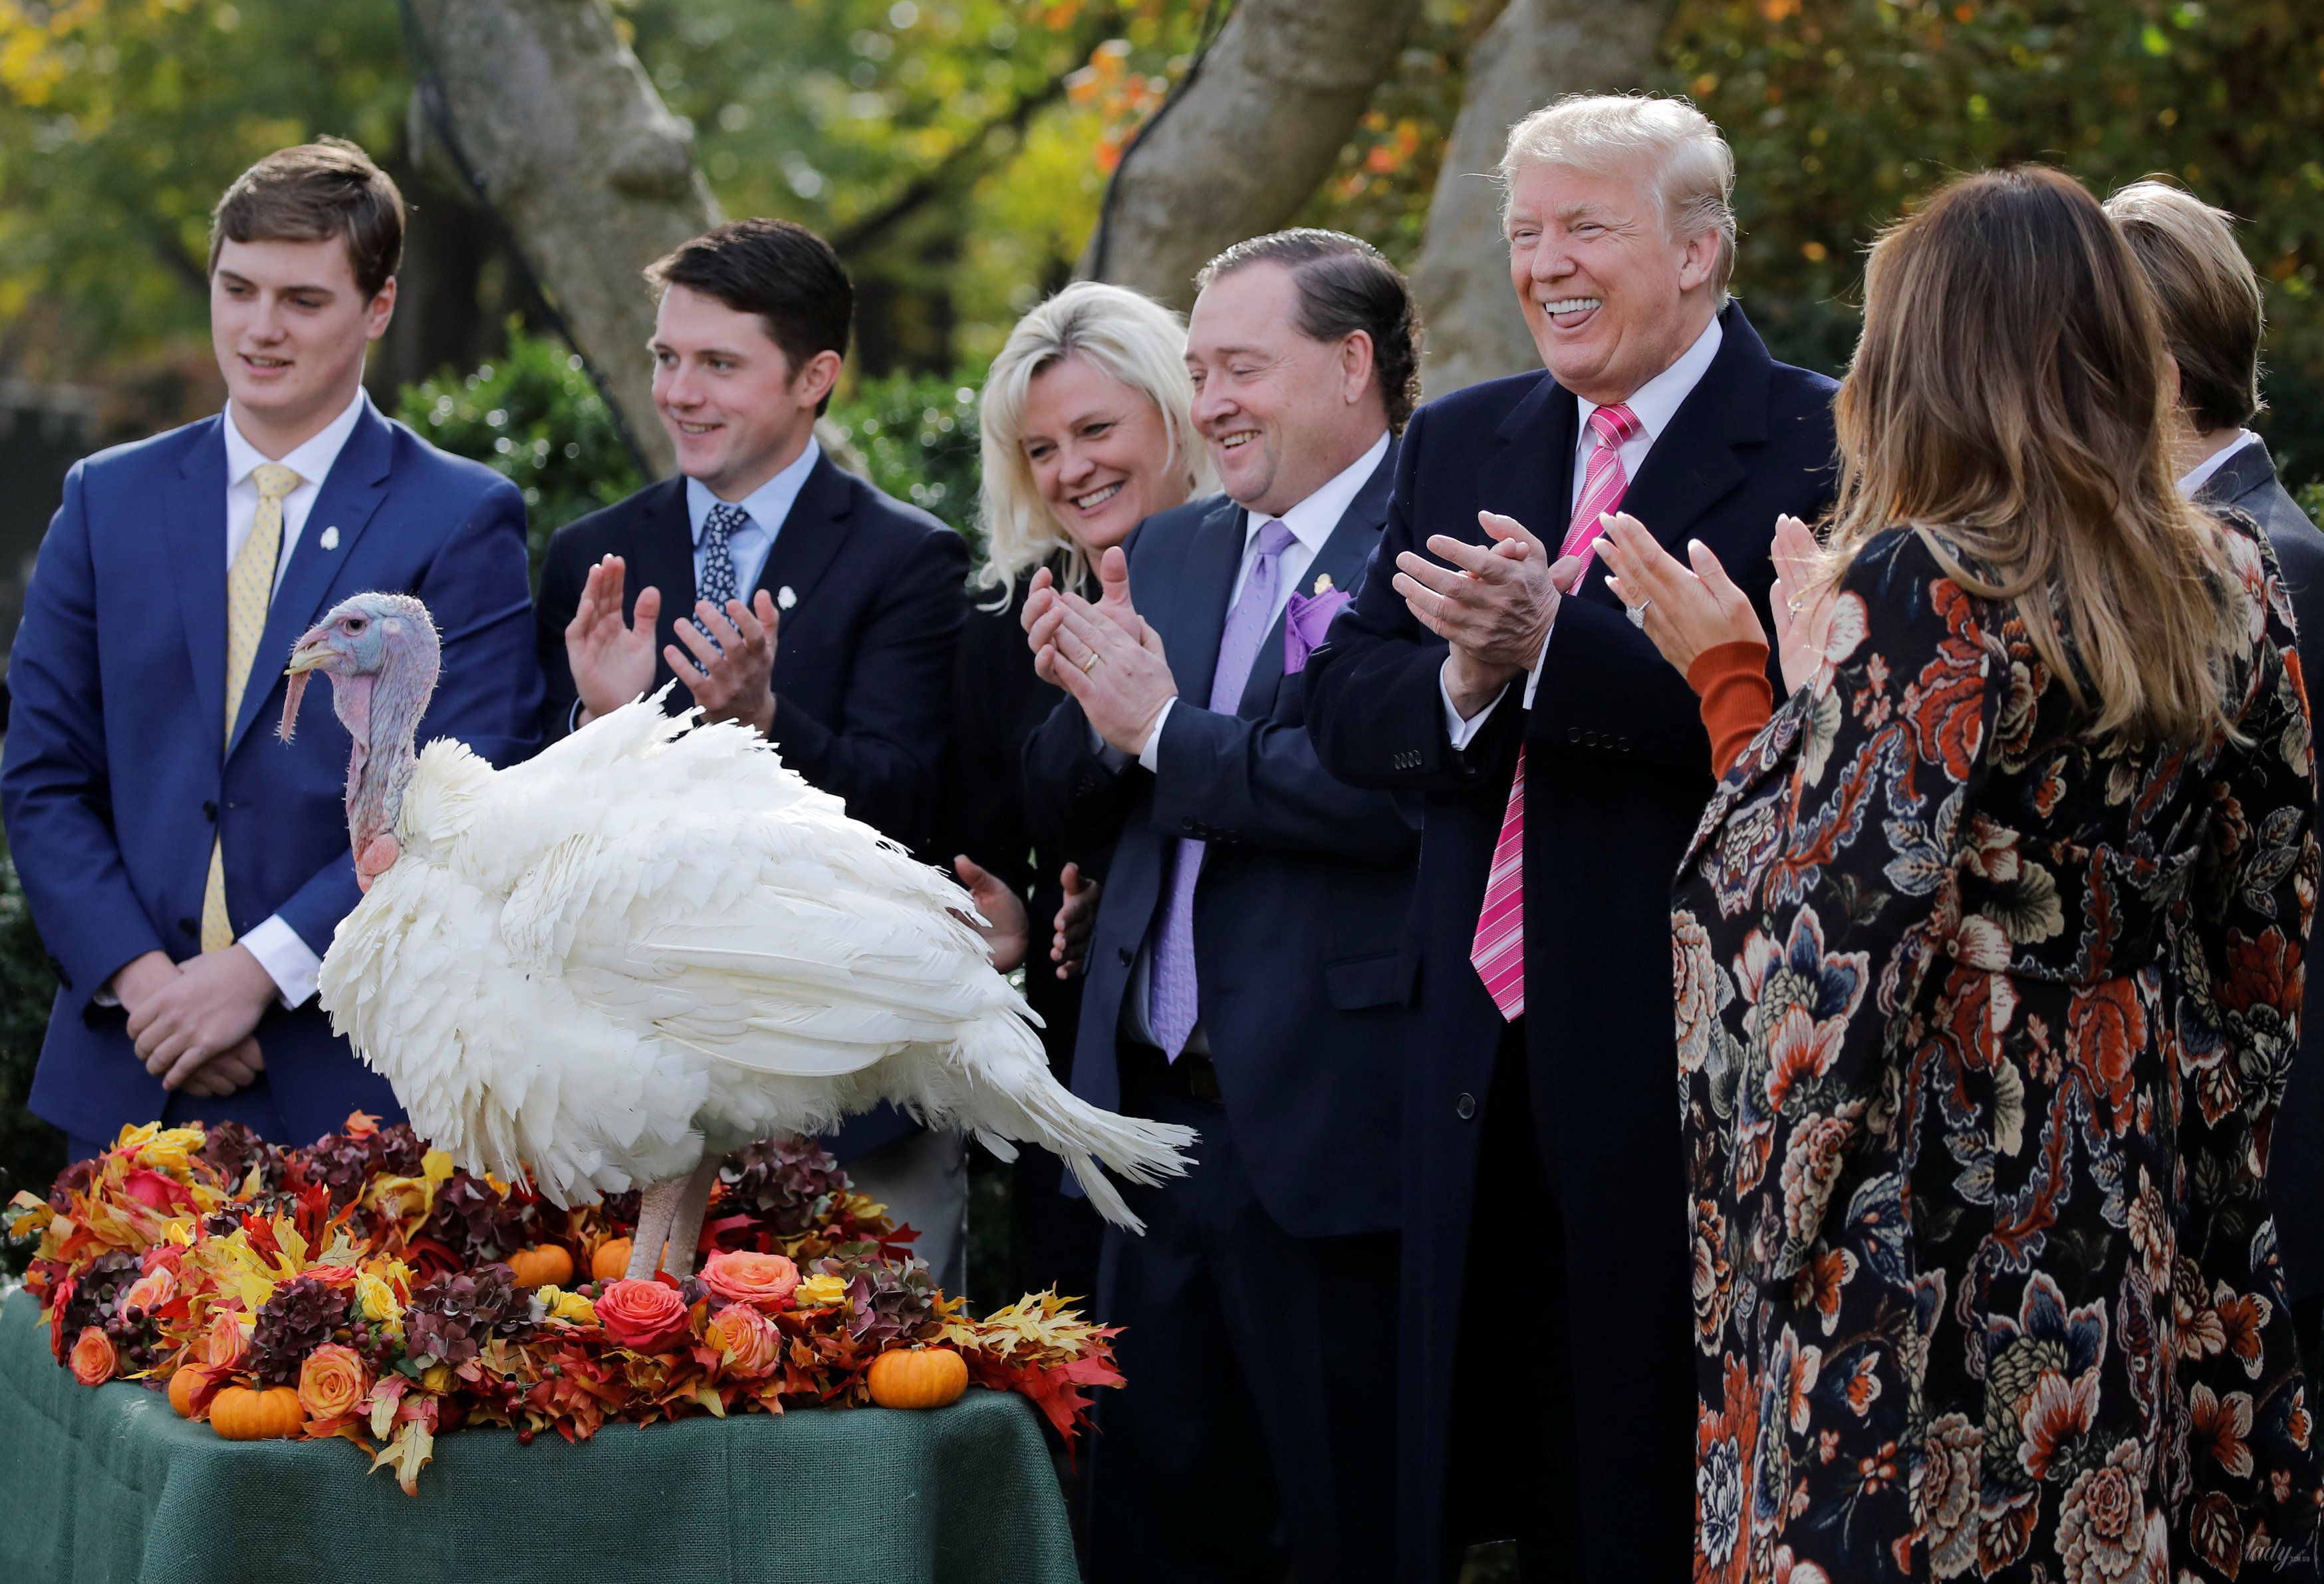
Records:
x=1172, y=1002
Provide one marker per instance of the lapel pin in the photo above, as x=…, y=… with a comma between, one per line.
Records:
x=784, y=598
x=330, y=539
x=1323, y=582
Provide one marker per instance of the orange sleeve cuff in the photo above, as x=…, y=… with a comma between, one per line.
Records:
x=1731, y=679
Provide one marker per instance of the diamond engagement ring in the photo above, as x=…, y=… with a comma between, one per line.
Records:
x=1638, y=613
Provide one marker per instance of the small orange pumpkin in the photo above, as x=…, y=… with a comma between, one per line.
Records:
x=611, y=1262
x=185, y=1386
x=918, y=1377
x=262, y=1413
x=549, y=1265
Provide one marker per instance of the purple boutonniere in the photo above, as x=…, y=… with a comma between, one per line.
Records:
x=1305, y=621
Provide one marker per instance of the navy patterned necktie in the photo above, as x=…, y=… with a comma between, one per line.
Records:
x=718, y=531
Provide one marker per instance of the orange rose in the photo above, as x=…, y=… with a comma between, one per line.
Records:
x=150, y=1290
x=332, y=1382
x=748, y=1342
x=219, y=1347
x=764, y=1281
x=644, y=1316
x=93, y=1362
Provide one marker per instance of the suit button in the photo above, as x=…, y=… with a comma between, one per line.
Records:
x=190, y=927
x=1465, y=1107
x=1127, y=955
x=1574, y=734
x=1187, y=826
x=210, y=812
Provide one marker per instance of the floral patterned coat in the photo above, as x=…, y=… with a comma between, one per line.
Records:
x=1982, y=1025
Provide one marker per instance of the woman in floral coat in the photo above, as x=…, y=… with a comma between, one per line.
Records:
x=1988, y=974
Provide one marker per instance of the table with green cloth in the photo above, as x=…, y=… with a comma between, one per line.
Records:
x=108, y=1485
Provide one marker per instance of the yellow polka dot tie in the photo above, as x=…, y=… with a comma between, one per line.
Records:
x=249, y=586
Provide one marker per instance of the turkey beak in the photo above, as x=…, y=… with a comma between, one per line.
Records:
x=312, y=652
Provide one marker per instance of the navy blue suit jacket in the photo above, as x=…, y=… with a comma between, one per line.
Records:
x=1306, y=881
x=1617, y=772
x=115, y=784
x=862, y=658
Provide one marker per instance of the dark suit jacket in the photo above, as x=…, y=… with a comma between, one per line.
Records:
x=862, y=658
x=2295, y=1175
x=1306, y=881
x=1617, y=771
x=118, y=777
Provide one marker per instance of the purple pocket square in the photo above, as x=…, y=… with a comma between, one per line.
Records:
x=1304, y=622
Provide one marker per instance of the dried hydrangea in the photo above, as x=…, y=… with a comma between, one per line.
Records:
x=299, y=1318
x=452, y=1315
x=473, y=1221
x=790, y=1182
x=233, y=1150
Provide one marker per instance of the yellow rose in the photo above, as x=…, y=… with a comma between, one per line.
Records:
x=436, y=1378
x=820, y=1291
x=560, y=1304
x=376, y=1302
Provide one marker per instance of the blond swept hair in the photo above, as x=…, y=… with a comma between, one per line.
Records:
x=1131, y=339
x=2213, y=311
x=2010, y=400
x=1606, y=134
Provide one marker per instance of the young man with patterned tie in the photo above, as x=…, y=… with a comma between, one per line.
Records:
x=186, y=869
x=1246, y=976
x=816, y=609
x=1486, y=663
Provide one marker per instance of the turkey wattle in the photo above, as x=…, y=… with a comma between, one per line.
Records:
x=615, y=963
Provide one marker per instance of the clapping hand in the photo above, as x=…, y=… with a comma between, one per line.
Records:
x=1076, y=916
x=1685, y=611
x=1007, y=931
x=613, y=660
x=732, y=679
x=1495, y=604
x=1802, y=623
x=1105, y=655
x=1113, y=596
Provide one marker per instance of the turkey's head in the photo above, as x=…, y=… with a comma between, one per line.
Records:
x=381, y=653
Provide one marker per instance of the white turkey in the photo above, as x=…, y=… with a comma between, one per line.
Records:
x=617, y=963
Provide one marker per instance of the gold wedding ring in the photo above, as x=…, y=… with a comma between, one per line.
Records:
x=1088, y=665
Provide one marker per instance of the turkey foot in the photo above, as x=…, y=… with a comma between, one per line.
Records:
x=685, y=1225
x=657, y=1208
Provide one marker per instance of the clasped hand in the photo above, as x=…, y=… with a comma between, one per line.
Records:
x=1103, y=654
x=191, y=1022
x=613, y=656
x=1495, y=604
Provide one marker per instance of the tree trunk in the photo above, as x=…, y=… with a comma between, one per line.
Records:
x=1536, y=51
x=591, y=173
x=1243, y=144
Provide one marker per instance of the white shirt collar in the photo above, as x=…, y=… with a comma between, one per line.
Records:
x=1313, y=520
x=768, y=505
x=1655, y=403
x=310, y=459
x=2203, y=470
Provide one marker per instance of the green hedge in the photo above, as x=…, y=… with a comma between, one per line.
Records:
x=31, y=1152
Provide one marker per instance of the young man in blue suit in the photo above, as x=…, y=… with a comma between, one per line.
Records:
x=186, y=869
x=1486, y=664
x=1246, y=975
x=779, y=591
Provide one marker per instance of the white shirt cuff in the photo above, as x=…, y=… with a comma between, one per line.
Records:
x=1533, y=678
x=1463, y=731
x=1150, y=755
x=287, y=959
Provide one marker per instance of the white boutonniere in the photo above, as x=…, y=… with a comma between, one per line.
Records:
x=330, y=539
x=1323, y=582
x=784, y=598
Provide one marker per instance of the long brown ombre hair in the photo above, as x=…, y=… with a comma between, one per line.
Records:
x=2011, y=399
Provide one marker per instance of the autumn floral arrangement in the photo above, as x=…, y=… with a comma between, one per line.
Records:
x=363, y=1288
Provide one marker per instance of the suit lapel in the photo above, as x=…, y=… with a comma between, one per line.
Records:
x=1693, y=464
x=661, y=557
x=2248, y=469
x=350, y=493
x=1341, y=559
x=1198, y=606
x=195, y=516
x=809, y=538
x=1531, y=476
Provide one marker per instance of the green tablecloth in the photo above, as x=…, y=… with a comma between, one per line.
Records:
x=108, y=1486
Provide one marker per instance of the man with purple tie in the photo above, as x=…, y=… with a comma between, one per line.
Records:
x=1246, y=975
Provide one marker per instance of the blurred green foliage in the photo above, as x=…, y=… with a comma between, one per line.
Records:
x=32, y=1153
x=535, y=415
x=917, y=436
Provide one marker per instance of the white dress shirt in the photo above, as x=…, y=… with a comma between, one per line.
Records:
x=1311, y=522
x=769, y=506
x=2202, y=471
x=1653, y=404
x=288, y=961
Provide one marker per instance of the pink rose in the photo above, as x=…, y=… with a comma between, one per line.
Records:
x=150, y=1290
x=93, y=1361
x=646, y=1317
x=763, y=1281
x=749, y=1343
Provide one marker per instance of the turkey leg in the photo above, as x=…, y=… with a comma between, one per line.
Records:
x=657, y=1208
x=685, y=1224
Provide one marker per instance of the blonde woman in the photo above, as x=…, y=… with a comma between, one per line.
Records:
x=1086, y=431
x=1988, y=966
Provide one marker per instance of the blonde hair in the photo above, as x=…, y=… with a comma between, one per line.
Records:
x=1127, y=337
x=2213, y=312
x=2009, y=400
x=1605, y=134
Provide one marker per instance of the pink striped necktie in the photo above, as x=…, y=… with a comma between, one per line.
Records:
x=1498, y=951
